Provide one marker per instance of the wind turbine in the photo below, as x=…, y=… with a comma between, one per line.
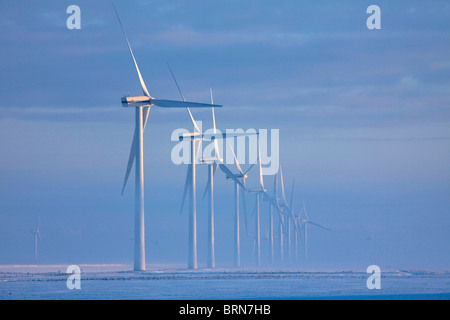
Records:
x=190, y=183
x=37, y=235
x=213, y=164
x=142, y=106
x=239, y=187
x=258, y=193
x=304, y=222
x=280, y=206
x=274, y=203
x=288, y=211
x=191, y=186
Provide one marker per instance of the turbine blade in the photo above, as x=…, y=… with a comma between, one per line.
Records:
x=208, y=186
x=182, y=104
x=182, y=97
x=235, y=158
x=193, y=121
x=186, y=186
x=282, y=186
x=318, y=225
x=282, y=221
x=130, y=162
x=298, y=224
x=304, y=210
x=249, y=169
x=141, y=80
x=146, y=112
x=275, y=188
x=292, y=197
x=197, y=150
x=216, y=145
x=132, y=155
x=176, y=82
x=294, y=221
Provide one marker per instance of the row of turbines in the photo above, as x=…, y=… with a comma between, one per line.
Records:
x=291, y=223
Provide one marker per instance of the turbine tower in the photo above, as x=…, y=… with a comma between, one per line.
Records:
x=258, y=193
x=142, y=105
x=37, y=236
x=213, y=164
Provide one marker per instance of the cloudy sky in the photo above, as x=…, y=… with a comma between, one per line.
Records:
x=364, y=120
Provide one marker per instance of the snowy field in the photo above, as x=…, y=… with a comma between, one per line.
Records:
x=172, y=282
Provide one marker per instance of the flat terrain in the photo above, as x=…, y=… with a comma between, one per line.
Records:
x=172, y=283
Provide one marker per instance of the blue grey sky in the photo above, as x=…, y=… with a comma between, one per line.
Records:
x=363, y=115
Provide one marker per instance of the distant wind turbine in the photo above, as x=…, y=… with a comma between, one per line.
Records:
x=142, y=106
x=37, y=236
x=288, y=211
x=274, y=204
x=258, y=193
x=304, y=223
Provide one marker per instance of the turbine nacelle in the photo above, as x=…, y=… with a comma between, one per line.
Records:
x=190, y=136
x=136, y=101
x=211, y=160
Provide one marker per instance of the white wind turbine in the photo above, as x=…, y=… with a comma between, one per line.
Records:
x=274, y=203
x=142, y=106
x=258, y=193
x=37, y=236
x=288, y=211
x=281, y=206
x=304, y=223
x=239, y=187
x=213, y=164
x=190, y=184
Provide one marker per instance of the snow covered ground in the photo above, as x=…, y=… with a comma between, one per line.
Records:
x=174, y=282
